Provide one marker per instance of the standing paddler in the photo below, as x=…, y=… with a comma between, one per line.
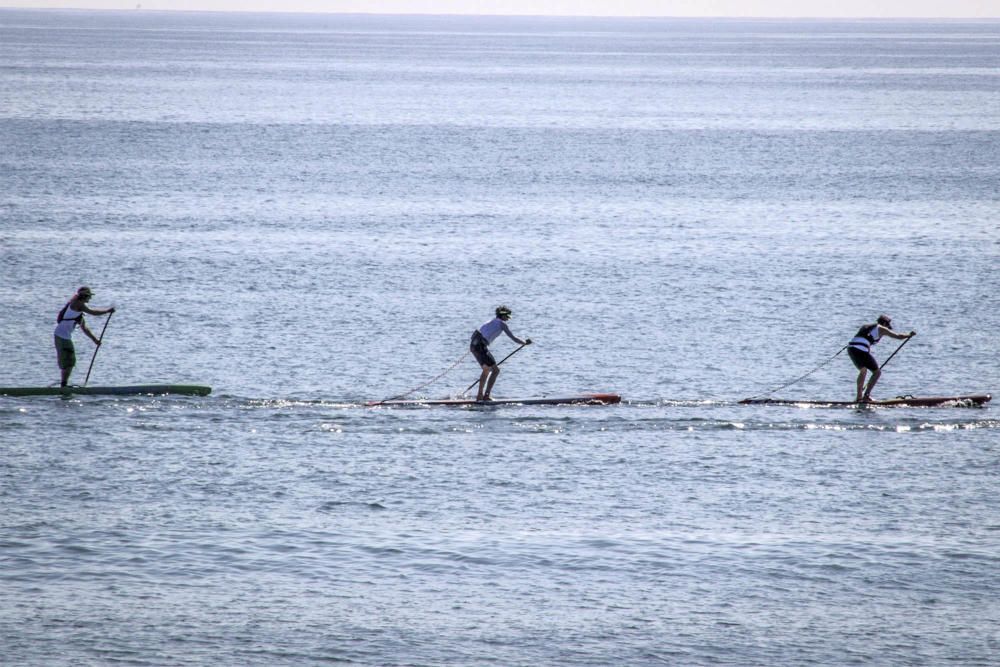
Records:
x=67, y=320
x=860, y=351
x=479, y=346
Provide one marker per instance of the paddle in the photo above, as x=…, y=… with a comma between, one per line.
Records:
x=501, y=361
x=99, y=341
x=894, y=352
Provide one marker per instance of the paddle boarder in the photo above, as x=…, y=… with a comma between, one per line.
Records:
x=860, y=351
x=67, y=320
x=479, y=346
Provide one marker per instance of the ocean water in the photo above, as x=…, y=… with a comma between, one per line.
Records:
x=307, y=212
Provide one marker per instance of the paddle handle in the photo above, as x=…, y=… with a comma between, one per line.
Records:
x=99, y=341
x=500, y=362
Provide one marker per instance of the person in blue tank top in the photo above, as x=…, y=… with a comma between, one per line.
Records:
x=68, y=319
x=859, y=349
x=479, y=346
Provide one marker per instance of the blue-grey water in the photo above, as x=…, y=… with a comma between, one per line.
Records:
x=307, y=212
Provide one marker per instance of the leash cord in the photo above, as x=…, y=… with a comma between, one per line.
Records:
x=431, y=381
x=789, y=384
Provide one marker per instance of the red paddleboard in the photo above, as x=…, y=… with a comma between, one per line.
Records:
x=968, y=400
x=582, y=399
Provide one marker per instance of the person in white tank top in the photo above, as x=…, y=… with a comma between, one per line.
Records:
x=479, y=346
x=68, y=319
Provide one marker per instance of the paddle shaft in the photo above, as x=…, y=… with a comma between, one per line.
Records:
x=894, y=353
x=500, y=362
x=99, y=341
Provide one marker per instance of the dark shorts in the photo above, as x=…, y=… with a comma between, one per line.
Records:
x=481, y=350
x=65, y=352
x=862, y=359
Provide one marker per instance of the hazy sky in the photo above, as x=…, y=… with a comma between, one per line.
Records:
x=735, y=8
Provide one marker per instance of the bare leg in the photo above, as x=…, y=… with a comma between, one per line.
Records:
x=862, y=372
x=64, y=375
x=871, y=385
x=494, y=372
x=482, y=382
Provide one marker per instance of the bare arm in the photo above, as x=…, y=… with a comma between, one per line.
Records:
x=90, y=334
x=885, y=331
x=84, y=308
x=514, y=338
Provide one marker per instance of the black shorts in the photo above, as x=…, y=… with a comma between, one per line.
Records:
x=862, y=359
x=480, y=350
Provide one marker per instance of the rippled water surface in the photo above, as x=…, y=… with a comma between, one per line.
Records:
x=310, y=212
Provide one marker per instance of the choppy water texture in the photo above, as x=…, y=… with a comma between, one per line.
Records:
x=307, y=212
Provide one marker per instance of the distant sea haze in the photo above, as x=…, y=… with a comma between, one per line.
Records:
x=643, y=9
x=309, y=212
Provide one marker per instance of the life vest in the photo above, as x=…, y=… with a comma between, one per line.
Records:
x=66, y=325
x=62, y=314
x=867, y=336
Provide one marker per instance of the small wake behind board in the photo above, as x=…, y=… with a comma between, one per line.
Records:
x=967, y=400
x=582, y=399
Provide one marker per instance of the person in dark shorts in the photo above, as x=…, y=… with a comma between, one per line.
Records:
x=480, y=348
x=68, y=319
x=860, y=352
